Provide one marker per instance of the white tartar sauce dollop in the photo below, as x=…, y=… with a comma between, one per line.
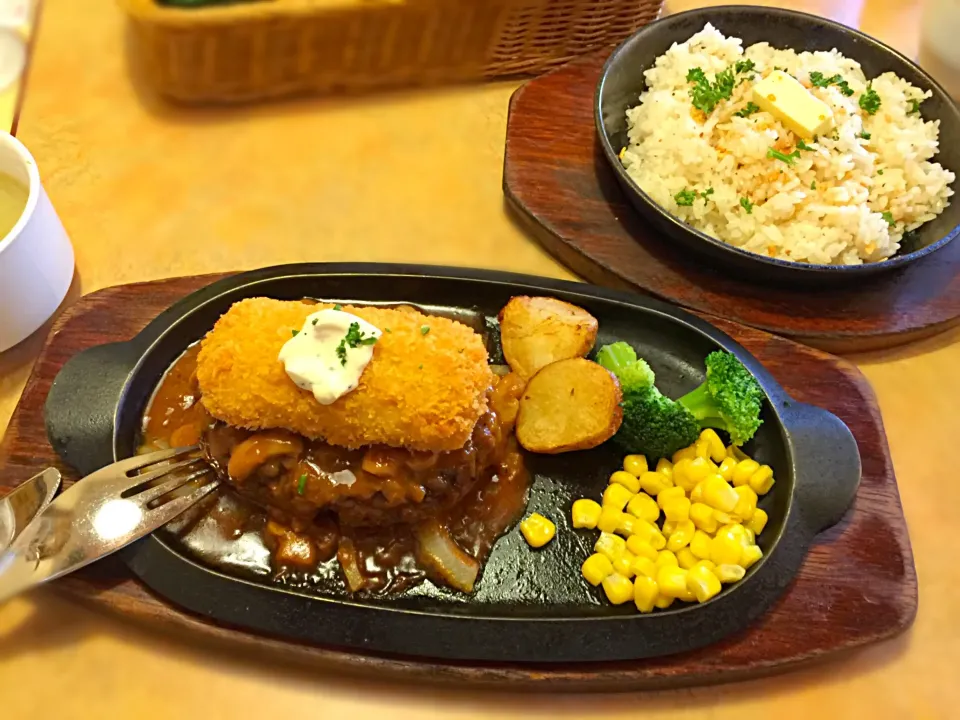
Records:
x=329, y=354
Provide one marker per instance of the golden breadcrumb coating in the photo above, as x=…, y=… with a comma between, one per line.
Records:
x=420, y=391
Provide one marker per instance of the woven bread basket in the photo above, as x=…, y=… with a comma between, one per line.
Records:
x=269, y=48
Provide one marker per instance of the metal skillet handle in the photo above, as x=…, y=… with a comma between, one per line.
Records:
x=827, y=466
x=82, y=405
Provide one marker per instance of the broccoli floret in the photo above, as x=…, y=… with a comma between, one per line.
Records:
x=730, y=399
x=653, y=425
x=633, y=373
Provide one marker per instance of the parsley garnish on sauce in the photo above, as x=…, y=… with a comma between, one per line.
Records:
x=818, y=80
x=813, y=185
x=746, y=205
x=870, y=100
x=424, y=329
x=865, y=135
x=314, y=321
x=294, y=333
x=338, y=306
x=302, y=484
x=354, y=338
x=914, y=107
x=888, y=216
x=749, y=109
x=685, y=198
x=777, y=155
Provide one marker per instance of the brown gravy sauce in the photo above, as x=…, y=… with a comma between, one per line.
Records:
x=310, y=514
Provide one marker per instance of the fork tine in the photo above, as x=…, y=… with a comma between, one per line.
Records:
x=166, y=512
x=161, y=471
x=158, y=491
x=138, y=462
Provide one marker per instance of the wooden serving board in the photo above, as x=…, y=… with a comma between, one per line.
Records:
x=857, y=586
x=558, y=182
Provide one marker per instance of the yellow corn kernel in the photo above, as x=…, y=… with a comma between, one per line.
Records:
x=681, y=474
x=687, y=453
x=538, y=530
x=609, y=519
x=658, y=541
x=717, y=450
x=736, y=530
x=699, y=469
x=595, y=568
x=622, y=477
x=743, y=471
x=641, y=548
x=702, y=516
x=677, y=509
x=648, y=533
x=705, y=563
x=759, y=521
x=762, y=480
x=644, y=507
x=669, y=527
x=644, y=566
x=703, y=448
x=696, y=495
x=729, y=573
x=672, y=580
x=585, y=513
x=725, y=548
x=751, y=538
x=624, y=564
x=617, y=496
x=723, y=518
x=665, y=468
x=645, y=593
x=627, y=525
x=726, y=469
x=636, y=465
x=663, y=602
x=669, y=493
x=666, y=557
x=702, y=582
x=686, y=559
x=747, y=503
x=718, y=494
x=701, y=545
x=618, y=589
x=751, y=554
x=653, y=482
x=681, y=536
x=610, y=545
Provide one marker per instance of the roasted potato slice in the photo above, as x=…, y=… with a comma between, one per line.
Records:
x=536, y=331
x=571, y=404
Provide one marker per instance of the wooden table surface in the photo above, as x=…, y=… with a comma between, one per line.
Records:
x=147, y=191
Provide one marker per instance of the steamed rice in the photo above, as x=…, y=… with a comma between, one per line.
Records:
x=832, y=205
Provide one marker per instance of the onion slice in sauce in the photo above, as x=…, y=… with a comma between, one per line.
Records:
x=347, y=555
x=438, y=551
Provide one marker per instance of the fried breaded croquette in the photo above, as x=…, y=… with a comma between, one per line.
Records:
x=422, y=390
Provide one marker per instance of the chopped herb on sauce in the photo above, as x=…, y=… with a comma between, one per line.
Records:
x=865, y=135
x=338, y=306
x=813, y=185
x=880, y=171
x=424, y=329
x=302, y=484
x=294, y=333
x=354, y=338
x=746, y=205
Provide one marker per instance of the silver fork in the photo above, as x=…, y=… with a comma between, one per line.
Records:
x=104, y=512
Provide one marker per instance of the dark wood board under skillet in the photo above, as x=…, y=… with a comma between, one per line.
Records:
x=559, y=185
x=857, y=586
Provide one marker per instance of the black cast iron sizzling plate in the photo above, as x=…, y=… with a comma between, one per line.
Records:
x=530, y=606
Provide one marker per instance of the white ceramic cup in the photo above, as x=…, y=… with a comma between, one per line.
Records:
x=36, y=258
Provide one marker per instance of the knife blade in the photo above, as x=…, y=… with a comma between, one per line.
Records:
x=24, y=503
